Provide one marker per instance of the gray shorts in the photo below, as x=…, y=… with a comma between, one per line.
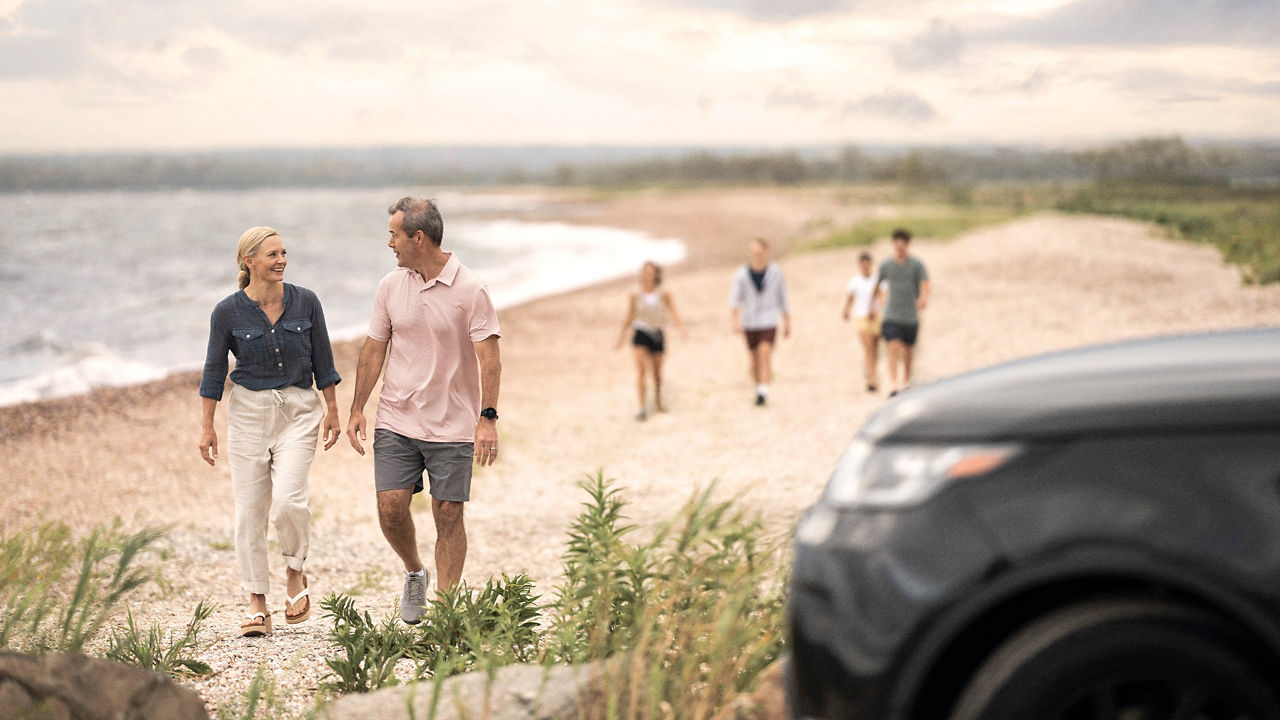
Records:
x=399, y=461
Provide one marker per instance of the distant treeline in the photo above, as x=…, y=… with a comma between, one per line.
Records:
x=1166, y=159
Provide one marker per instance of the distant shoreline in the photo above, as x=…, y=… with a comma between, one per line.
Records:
x=1251, y=160
x=515, y=241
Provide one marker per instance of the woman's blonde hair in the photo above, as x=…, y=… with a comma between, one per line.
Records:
x=248, y=246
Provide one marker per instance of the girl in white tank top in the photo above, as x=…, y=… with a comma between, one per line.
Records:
x=648, y=311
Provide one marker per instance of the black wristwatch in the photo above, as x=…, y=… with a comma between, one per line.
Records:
x=489, y=413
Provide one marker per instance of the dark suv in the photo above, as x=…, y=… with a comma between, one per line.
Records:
x=1087, y=534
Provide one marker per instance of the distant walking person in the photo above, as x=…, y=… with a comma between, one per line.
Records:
x=647, y=312
x=278, y=336
x=758, y=300
x=908, y=285
x=860, y=299
x=435, y=319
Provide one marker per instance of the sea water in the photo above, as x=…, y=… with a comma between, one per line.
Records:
x=115, y=288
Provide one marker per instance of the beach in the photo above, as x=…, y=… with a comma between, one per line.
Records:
x=1036, y=284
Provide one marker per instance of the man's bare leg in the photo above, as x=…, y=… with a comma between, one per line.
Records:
x=451, y=542
x=397, y=526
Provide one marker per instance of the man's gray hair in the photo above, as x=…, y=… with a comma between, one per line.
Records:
x=420, y=214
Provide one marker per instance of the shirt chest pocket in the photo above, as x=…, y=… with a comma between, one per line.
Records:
x=297, y=340
x=249, y=345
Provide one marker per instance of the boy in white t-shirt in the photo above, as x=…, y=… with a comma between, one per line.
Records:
x=859, y=300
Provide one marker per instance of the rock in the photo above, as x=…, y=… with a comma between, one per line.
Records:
x=77, y=687
x=515, y=692
x=767, y=702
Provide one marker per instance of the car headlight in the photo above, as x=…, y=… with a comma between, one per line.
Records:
x=898, y=475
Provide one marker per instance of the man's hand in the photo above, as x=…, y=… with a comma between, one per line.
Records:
x=486, y=442
x=355, y=430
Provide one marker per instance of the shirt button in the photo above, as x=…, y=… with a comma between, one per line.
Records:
x=273, y=331
x=279, y=364
x=277, y=349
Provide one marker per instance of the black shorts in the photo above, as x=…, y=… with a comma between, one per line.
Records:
x=755, y=337
x=652, y=342
x=902, y=332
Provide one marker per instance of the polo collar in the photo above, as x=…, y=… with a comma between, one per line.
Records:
x=447, y=274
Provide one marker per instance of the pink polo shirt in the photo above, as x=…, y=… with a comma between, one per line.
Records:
x=431, y=387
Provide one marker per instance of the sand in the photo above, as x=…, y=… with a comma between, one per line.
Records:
x=568, y=402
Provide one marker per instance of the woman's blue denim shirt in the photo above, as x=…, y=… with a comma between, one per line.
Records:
x=268, y=357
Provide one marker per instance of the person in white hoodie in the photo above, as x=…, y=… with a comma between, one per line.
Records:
x=758, y=302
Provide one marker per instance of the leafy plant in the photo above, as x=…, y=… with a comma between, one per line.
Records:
x=56, y=591
x=158, y=650
x=465, y=630
x=369, y=651
x=696, y=612
x=596, y=606
x=462, y=630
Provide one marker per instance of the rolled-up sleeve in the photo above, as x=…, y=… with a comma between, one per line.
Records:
x=214, y=378
x=321, y=351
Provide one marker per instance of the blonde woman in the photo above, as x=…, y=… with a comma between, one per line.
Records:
x=278, y=336
x=647, y=313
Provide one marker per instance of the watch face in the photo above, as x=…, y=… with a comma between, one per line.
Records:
x=489, y=413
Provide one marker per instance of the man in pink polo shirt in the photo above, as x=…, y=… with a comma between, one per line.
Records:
x=435, y=317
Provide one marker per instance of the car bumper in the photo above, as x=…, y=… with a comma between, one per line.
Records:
x=865, y=587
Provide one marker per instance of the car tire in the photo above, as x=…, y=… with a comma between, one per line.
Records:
x=1119, y=658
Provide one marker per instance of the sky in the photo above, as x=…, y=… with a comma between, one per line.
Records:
x=162, y=75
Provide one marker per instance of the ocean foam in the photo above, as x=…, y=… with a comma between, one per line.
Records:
x=95, y=366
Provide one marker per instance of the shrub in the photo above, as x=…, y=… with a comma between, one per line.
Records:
x=57, y=592
x=158, y=650
x=462, y=630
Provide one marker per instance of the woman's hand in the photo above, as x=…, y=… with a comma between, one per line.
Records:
x=209, y=445
x=332, y=428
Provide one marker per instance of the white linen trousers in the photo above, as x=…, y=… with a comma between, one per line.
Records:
x=271, y=441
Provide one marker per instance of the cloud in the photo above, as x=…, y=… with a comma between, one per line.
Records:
x=31, y=56
x=1145, y=23
x=1171, y=87
x=1021, y=82
x=770, y=10
x=893, y=104
x=796, y=98
x=940, y=45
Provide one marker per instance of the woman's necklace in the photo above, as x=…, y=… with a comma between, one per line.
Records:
x=264, y=304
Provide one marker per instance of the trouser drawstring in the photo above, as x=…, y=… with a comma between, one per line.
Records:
x=279, y=398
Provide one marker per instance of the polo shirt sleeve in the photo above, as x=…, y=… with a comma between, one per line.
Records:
x=380, y=322
x=484, y=318
x=923, y=274
x=782, y=291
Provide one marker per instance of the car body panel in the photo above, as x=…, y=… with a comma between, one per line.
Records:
x=1222, y=380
